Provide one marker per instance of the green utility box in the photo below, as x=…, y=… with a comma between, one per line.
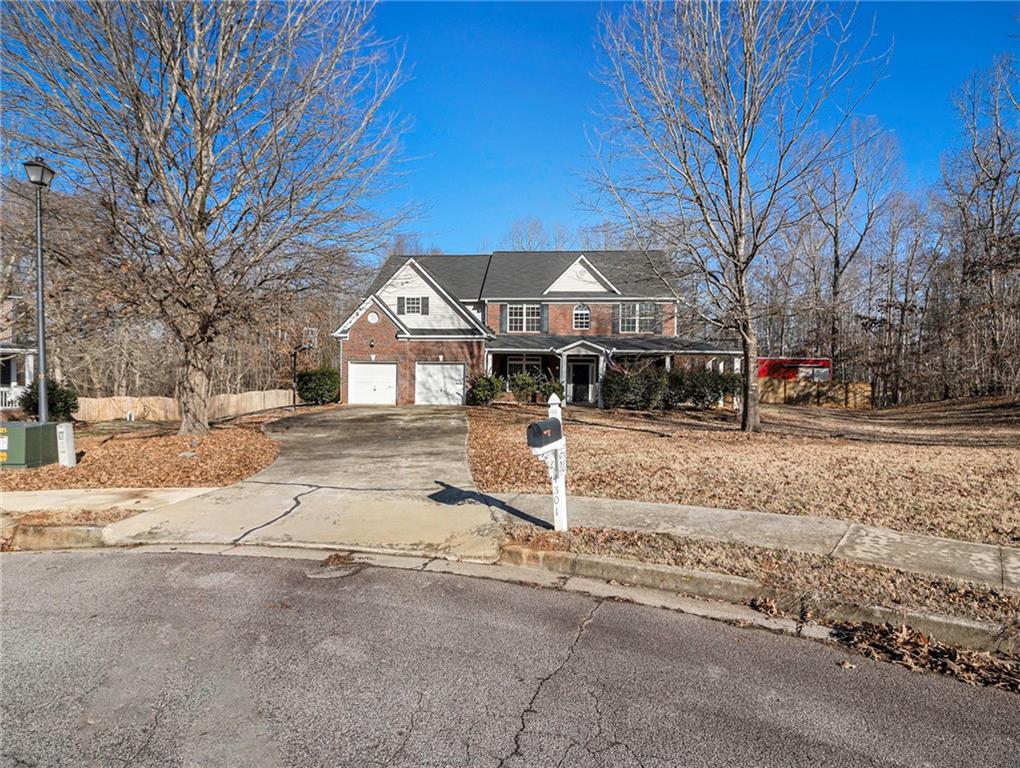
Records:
x=27, y=444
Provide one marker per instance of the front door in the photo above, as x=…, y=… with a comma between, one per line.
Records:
x=580, y=380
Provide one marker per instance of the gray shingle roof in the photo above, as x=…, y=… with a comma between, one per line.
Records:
x=527, y=274
x=461, y=276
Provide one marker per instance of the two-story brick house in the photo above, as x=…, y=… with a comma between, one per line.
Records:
x=428, y=323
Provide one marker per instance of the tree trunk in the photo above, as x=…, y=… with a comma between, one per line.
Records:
x=194, y=390
x=750, y=421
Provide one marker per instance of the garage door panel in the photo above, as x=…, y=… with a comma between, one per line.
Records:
x=372, y=383
x=439, y=383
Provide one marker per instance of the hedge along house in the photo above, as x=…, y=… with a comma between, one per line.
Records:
x=428, y=323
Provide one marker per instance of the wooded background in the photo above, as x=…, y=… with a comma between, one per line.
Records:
x=914, y=292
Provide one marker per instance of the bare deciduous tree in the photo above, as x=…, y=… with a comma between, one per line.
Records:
x=846, y=197
x=235, y=147
x=714, y=129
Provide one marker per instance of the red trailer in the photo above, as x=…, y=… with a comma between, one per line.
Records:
x=813, y=368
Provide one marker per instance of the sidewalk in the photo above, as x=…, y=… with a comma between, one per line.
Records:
x=460, y=524
x=988, y=564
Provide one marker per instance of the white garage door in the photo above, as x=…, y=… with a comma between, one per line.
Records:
x=372, y=383
x=439, y=384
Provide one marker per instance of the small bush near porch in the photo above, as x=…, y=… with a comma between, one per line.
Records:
x=943, y=469
x=652, y=389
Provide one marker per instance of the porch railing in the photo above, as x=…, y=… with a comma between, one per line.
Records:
x=9, y=396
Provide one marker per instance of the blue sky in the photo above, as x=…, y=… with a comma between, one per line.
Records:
x=502, y=98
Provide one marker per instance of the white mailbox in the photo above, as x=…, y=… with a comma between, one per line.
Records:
x=546, y=440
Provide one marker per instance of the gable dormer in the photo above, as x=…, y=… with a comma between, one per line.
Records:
x=581, y=277
x=423, y=306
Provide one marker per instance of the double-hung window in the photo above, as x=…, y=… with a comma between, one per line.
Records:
x=637, y=317
x=412, y=305
x=582, y=317
x=523, y=317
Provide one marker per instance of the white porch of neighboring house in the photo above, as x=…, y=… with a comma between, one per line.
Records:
x=17, y=369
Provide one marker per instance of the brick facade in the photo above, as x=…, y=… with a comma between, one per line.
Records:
x=380, y=340
x=561, y=319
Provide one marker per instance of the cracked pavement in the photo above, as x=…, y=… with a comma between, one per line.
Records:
x=189, y=660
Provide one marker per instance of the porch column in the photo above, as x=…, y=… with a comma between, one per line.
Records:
x=602, y=373
x=488, y=363
x=563, y=377
x=29, y=369
x=669, y=363
x=737, y=399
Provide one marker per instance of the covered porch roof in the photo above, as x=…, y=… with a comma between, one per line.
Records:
x=606, y=344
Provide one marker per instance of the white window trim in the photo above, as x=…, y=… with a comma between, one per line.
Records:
x=412, y=308
x=638, y=317
x=584, y=311
x=528, y=312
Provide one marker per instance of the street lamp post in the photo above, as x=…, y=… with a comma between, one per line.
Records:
x=40, y=175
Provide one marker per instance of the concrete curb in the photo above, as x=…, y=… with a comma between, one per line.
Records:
x=32, y=538
x=714, y=586
x=35, y=538
x=980, y=635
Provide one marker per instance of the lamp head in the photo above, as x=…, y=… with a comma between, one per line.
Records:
x=38, y=172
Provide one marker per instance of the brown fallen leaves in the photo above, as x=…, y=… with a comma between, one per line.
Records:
x=809, y=577
x=917, y=652
x=958, y=491
x=153, y=459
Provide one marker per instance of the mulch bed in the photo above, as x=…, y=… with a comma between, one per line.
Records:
x=963, y=492
x=815, y=578
x=151, y=458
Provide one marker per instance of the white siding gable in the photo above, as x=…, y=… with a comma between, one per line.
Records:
x=407, y=282
x=577, y=278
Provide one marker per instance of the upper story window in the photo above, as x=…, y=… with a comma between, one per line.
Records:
x=582, y=317
x=523, y=317
x=412, y=305
x=637, y=317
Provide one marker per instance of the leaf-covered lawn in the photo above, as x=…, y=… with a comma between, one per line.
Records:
x=151, y=458
x=961, y=491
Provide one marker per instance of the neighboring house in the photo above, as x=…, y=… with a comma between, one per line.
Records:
x=17, y=361
x=428, y=323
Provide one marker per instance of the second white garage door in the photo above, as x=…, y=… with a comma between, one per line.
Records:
x=439, y=384
x=372, y=383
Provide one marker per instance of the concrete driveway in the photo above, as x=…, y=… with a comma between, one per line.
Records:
x=386, y=479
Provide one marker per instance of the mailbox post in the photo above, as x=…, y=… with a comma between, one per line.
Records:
x=545, y=438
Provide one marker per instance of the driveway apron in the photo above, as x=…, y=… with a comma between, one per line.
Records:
x=387, y=479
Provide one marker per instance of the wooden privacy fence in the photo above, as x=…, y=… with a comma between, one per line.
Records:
x=169, y=409
x=853, y=394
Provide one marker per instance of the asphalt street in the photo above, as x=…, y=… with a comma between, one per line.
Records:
x=118, y=658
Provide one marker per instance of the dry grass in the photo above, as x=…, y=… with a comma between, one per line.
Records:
x=807, y=577
x=151, y=456
x=954, y=472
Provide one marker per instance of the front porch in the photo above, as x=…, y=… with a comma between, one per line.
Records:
x=579, y=373
x=580, y=362
x=17, y=369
